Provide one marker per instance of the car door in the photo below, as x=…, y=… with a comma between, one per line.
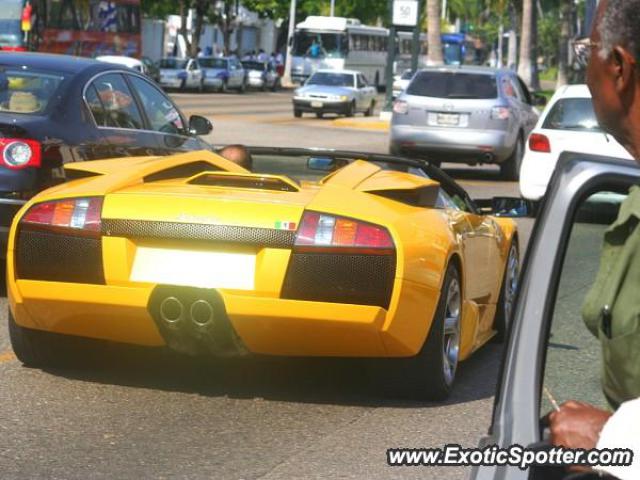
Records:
x=529, y=114
x=194, y=74
x=118, y=116
x=551, y=356
x=165, y=121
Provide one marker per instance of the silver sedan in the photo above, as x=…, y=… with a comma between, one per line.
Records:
x=343, y=92
x=180, y=73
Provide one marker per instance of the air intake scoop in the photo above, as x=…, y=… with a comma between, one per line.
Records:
x=239, y=180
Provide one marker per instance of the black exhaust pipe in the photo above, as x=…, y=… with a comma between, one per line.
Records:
x=201, y=313
x=171, y=310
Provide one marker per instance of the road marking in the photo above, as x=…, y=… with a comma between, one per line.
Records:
x=7, y=356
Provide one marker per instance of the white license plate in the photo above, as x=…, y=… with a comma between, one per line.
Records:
x=448, y=119
x=194, y=268
x=316, y=104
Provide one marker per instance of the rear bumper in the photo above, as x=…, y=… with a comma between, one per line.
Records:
x=264, y=325
x=452, y=144
x=8, y=209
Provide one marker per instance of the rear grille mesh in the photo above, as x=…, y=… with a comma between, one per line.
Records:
x=265, y=237
x=338, y=278
x=57, y=257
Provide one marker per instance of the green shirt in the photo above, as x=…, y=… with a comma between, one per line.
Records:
x=612, y=308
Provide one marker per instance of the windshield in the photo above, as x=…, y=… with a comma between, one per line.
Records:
x=212, y=62
x=319, y=45
x=332, y=79
x=452, y=53
x=572, y=114
x=27, y=91
x=174, y=63
x=453, y=85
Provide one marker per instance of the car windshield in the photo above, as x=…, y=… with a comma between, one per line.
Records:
x=453, y=85
x=253, y=65
x=212, y=62
x=572, y=114
x=332, y=79
x=173, y=63
x=27, y=91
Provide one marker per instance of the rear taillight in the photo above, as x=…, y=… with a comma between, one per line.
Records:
x=539, y=143
x=500, y=113
x=81, y=216
x=401, y=107
x=321, y=232
x=20, y=153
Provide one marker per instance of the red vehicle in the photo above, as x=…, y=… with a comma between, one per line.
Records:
x=83, y=28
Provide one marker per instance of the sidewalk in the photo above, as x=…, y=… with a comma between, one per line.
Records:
x=362, y=123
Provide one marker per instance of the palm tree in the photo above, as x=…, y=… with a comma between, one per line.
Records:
x=433, y=33
x=563, y=51
x=525, y=69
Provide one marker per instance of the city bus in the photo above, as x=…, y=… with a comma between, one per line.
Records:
x=339, y=43
x=73, y=27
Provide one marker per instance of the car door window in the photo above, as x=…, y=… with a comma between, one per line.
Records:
x=526, y=95
x=119, y=106
x=96, y=106
x=573, y=353
x=162, y=114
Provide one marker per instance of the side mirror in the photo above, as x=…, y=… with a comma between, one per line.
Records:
x=199, y=125
x=539, y=100
x=509, y=207
x=325, y=164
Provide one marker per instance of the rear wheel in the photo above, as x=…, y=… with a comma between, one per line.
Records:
x=508, y=292
x=510, y=168
x=35, y=348
x=297, y=113
x=369, y=111
x=319, y=114
x=351, y=109
x=431, y=373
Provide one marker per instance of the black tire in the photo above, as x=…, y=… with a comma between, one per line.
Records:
x=297, y=113
x=504, y=309
x=351, y=109
x=35, y=348
x=276, y=85
x=319, y=114
x=369, y=111
x=426, y=376
x=510, y=168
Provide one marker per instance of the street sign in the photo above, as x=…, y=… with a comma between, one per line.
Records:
x=405, y=13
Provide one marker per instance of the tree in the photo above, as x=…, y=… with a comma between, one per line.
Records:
x=525, y=68
x=433, y=33
x=563, y=44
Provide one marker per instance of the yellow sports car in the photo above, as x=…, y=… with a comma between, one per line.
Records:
x=347, y=254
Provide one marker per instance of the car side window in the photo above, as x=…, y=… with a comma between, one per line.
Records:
x=574, y=359
x=162, y=114
x=525, y=91
x=95, y=106
x=119, y=107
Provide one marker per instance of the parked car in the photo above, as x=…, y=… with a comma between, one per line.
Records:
x=57, y=109
x=261, y=75
x=223, y=74
x=379, y=260
x=551, y=356
x=344, y=92
x=471, y=115
x=568, y=123
x=400, y=83
x=181, y=73
x=151, y=69
x=143, y=65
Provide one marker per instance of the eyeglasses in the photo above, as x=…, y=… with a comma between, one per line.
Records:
x=582, y=49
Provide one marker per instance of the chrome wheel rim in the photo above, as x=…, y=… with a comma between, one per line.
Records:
x=511, y=282
x=451, y=337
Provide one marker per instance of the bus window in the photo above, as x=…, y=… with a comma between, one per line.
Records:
x=331, y=45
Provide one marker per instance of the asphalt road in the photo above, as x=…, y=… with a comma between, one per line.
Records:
x=145, y=414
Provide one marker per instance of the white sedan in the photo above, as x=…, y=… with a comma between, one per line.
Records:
x=568, y=123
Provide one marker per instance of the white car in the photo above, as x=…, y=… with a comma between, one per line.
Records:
x=181, y=73
x=568, y=123
x=401, y=82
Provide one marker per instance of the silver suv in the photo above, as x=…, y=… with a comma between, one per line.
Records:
x=465, y=114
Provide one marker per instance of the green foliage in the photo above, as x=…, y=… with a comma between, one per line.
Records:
x=549, y=36
x=368, y=11
x=159, y=8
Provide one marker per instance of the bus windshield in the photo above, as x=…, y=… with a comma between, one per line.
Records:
x=10, y=14
x=319, y=45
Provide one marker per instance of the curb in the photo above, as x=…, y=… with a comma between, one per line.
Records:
x=361, y=124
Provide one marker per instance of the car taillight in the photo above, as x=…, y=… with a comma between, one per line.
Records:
x=321, y=232
x=539, y=143
x=401, y=107
x=83, y=216
x=500, y=113
x=20, y=153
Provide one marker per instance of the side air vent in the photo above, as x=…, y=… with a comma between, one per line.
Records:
x=245, y=181
x=425, y=197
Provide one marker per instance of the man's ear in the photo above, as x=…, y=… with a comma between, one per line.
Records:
x=625, y=68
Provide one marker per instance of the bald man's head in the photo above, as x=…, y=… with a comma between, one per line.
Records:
x=238, y=154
